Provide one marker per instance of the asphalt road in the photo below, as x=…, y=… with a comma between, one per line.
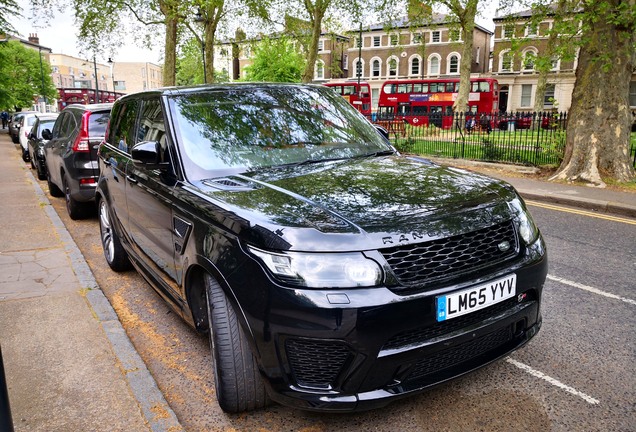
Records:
x=577, y=374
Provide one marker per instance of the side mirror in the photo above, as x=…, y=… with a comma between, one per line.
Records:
x=147, y=155
x=46, y=134
x=382, y=132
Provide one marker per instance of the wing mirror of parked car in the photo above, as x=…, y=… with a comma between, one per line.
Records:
x=382, y=132
x=147, y=154
x=46, y=134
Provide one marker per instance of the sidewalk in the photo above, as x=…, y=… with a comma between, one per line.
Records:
x=68, y=362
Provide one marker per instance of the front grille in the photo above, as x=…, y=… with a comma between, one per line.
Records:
x=316, y=364
x=425, y=333
x=459, y=354
x=436, y=261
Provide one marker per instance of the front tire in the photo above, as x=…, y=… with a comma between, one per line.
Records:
x=114, y=252
x=238, y=382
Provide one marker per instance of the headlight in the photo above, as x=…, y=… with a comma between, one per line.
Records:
x=525, y=225
x=321, y=270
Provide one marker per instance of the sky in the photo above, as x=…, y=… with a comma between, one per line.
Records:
x=60, y=34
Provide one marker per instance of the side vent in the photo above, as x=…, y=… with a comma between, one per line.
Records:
x=181, y=229
x=225, y=183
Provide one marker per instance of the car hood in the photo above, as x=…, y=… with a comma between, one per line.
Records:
x=358, y=204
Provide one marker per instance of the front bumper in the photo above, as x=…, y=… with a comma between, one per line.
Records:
x=359, y=349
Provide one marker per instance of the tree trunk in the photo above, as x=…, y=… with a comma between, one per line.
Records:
x=170, y=55
x=598, y=130
x=317, y=14
x=467, y=21
x=213, y=16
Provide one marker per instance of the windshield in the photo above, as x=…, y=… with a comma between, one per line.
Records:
x=240, y=129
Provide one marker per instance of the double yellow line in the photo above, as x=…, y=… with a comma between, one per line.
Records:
x=582, y=212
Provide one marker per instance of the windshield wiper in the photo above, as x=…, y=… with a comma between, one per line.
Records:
x=378, y=153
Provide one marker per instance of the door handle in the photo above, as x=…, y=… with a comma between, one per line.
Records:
x=131, y=179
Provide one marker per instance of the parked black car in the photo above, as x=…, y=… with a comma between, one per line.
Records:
x=71, y=155
x=333, y=273
x=35, y=143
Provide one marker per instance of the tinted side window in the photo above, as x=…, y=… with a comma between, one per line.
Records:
x=122, y=132
x=69, y=126
x=97, y=124
x=152, y=127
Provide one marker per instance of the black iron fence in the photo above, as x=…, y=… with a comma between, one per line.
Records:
x=521, y=138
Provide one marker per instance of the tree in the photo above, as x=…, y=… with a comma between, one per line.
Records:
x=598, y=131
x=9, y=9
x=190, y=65
x=22, y=77
x=276, y=60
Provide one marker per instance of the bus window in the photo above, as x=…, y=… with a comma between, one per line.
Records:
x=449, y=110
x=404, y=109
x=425, y=88
x=484, y=87
x=385, y=112
x=436, y=87
x=420, y=110
x=473, y=109
x=348, y=90
x=436, y=109
x=417, y=88
x=404, y=88
x=389, y=88
x=474, y=86
x=450, y=87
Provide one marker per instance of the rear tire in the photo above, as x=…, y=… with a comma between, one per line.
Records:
x=114, y=252
x=238, y=382
x=76, y=210
x=53, y=189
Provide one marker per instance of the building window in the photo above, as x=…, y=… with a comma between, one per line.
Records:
x=508, y=31
x=415, y=66
x=392, y=67
x=526, y=95
x=548, y=97
x=436, y=36
x=632, y=94
x=433, y=66
x=529, y=59
x=555, y=62
x=453, y=64
x=506, y=62
x=376, y=68
x=321, y=45
x=532, y=29
x=376, y=41
x=477, y=55
x=319, y=72
x=358, y=68
x=394, y=39
x=120, y=85
x=345, y=62
x=417, y=38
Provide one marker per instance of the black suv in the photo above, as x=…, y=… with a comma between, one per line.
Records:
x=71, y=155
x=332, y=272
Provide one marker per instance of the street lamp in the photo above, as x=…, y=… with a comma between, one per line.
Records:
x=111, y=63
x=199, y=19
x=42, y=75
x=96, y=81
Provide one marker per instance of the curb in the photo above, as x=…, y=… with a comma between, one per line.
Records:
x=154, y=407
x=615, y=208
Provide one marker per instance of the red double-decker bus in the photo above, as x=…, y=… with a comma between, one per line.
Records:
x=424, y=101
x=84, y=96
x=358, y=95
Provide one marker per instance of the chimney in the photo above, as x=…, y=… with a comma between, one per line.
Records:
x=33, y=38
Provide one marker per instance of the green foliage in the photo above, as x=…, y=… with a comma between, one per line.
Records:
x=8, y=9
x=190, y=66
x=276, y=60
x=21, y=77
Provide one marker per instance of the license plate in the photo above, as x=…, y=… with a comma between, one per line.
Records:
x=473, y=299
